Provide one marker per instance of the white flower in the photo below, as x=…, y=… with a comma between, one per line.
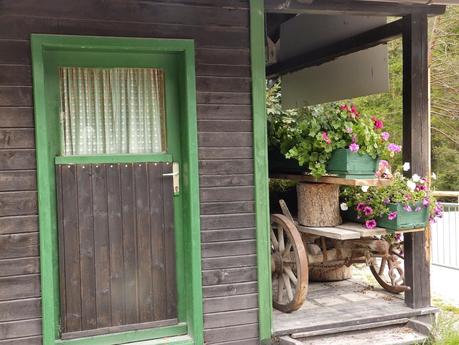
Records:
x=406, y=166
x=416, y=178
x=411, y=185
x=365, y=188
x=344, y=206
x=434, y=176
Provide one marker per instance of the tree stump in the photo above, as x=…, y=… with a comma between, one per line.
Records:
x=329, y=273
x=318, y=204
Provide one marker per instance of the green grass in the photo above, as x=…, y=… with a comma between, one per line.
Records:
x=446, y=327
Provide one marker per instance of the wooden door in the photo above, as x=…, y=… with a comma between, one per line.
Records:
x=117, y=261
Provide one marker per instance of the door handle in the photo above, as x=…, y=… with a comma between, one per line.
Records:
x=175, y=174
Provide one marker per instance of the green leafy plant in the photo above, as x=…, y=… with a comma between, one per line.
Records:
x=372, y=202
x=311, y=134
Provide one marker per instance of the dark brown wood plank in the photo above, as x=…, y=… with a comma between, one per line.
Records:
x=158, y=229
x=222, y=84
x=20, y=309
x=129, y=243
x=101, y=245
x=416, y=150
x=18, y=245
x=229, y=275
x=209, y=70
x=119, y=11
x=229, y=303
x=228, y=221
x=223, y=56
x=71, y=245
x=362, y=41
x=242, y=193
x=18, y=180
x=226, y=180
x=22, y=341
x=216, y=208
x=61, y=244
x=216, y=335
x=87, y=251
x=16, y=96
x=144, y=270
x=225, y=235
x=17, y=159
x=222, y=139
x=17, y=287
x=168, y=207
x=17, y=138
x=225, y=126
x=225, y=167
x=16, y=117
x=216, y=249
x=224, y=111
x=15, y=75
x=22, y=328
x=207, y=153
x=18, y=224
x=233, y=98
x=115, y=226
x=230, y=289
x=231, y=318
x=235, y=261
x=14, y=27
x=18, y=203
x=12, y=267
x=350, y=7
x=15, y=52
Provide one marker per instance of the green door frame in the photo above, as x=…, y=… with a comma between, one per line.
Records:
x=260, y=146
x=45, y=48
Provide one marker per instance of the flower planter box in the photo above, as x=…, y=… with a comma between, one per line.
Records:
x=343, y=163
x=347, y=164
x=404, y=221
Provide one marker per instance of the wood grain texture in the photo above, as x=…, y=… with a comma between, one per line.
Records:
x=117, y=247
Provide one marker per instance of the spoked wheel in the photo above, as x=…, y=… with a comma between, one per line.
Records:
x=289, y=265
x=388, y=270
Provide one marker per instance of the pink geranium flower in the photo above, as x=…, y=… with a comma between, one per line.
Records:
x=407, y=208
x=378, y=124
x=354, y=147
x=394, y=148
x=385, y=136
x=360, y=206
x=392, y=215
x=326, y=138
x=370, y=224
x=425, y=202
x=367, y=210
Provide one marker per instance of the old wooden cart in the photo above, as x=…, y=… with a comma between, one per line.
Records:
x=297, y=249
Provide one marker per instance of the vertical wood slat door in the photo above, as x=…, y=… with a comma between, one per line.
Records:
x=117, y=248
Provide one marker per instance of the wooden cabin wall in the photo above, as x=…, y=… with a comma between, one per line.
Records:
x=221, y=33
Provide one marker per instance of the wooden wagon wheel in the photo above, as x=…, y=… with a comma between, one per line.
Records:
x=289, y=265
x=388, y=269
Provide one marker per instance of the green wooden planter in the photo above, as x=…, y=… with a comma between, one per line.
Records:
x=347, y=164
x=404, y=220
x=343, y=163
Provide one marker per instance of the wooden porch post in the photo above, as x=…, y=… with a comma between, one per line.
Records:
x=416, y=149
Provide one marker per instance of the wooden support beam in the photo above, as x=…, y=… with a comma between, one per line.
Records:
x=416, y=149
x=364, y=40
x=350, y=7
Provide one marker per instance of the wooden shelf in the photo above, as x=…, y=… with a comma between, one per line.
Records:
x=347, y=231
x=333, y=180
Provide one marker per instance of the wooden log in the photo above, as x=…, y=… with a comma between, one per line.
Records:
x=318, y=204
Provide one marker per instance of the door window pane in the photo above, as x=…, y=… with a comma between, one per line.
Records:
x=111, y=110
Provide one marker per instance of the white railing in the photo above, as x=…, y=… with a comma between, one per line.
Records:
x=445, y=234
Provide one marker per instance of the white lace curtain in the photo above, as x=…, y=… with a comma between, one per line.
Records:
x=112, y=110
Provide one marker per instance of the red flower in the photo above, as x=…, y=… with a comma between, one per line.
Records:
x=344, y=107
x=378, y=124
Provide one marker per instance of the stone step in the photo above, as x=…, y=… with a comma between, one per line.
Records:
x=395, y=332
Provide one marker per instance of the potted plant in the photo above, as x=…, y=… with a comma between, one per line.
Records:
x=403, y=204
x=331, y=138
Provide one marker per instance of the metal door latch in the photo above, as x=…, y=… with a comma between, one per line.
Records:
x=175, y=177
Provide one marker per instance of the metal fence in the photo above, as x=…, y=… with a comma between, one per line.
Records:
x=445, y=237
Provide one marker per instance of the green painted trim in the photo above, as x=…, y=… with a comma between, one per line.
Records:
x=48, y=51
x=260, y=142
x=128, y=336
x=120, y=158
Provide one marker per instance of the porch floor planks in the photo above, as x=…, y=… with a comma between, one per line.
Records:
x=345, y=303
